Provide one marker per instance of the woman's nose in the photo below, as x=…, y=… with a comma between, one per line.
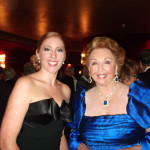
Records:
x=53, y=54
x=100, y=67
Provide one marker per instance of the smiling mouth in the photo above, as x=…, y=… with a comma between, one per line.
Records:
x=52, y=63
x=101, y=76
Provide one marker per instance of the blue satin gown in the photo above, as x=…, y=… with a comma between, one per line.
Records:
x=113, y=132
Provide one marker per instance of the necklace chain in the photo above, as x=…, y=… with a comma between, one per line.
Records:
x=106, y=102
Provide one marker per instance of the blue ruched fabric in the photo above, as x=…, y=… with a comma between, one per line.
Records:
x=145, y=142
x=139, y=104
x=110, y=132
x=114, y=131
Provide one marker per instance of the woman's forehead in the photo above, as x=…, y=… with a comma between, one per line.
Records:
x=101, y=52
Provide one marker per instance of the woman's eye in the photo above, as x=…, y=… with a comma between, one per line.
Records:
x=94, y=63
x=60, y=50
x=107, y=62
x=46, y=49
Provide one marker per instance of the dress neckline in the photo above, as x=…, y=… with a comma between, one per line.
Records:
x=105, y=116
x=47, y=99
x=83, y=93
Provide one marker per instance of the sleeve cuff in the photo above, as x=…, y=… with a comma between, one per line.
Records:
x=74, y=140
x=145, y=142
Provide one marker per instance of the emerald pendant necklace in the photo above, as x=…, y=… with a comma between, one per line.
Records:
x=106, y=102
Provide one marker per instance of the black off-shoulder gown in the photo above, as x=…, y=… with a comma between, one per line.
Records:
x=43, y=125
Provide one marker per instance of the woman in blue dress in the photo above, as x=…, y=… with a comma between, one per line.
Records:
x=110, y=116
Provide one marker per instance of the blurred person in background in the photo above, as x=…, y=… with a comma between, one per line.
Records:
x=9, y=76
x=68, y=79
x=83, y=80
x=38, y=105
x=129, y=72
x=109, y=116
x=1, y=74
x=28, y=68
x=144, y=59
x=6, y=86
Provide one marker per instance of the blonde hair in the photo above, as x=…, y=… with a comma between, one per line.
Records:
x=34, y=60
x=105, y=42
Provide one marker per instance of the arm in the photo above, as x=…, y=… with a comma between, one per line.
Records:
x=138, y=108
x=63, y=143
x=67, y=92
x=145, y=142
x=138, y=147
x=82, y=146
x=75, y=142
x=78, y=105
x=0, y=139
x=14, y=116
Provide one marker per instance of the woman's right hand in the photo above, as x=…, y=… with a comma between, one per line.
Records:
x=82, y=146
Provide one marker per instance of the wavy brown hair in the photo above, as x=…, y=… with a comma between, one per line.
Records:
x=105, y=42
x=130, y=68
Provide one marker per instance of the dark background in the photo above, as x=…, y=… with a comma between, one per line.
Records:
x=22, y=22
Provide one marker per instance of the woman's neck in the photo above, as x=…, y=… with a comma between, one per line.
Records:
x=106, y=89
x=47, y=77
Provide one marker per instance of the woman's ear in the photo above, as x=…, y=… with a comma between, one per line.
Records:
x=37, y=54
x=116, y=69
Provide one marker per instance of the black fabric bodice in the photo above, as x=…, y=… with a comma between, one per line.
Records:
x=43, y=125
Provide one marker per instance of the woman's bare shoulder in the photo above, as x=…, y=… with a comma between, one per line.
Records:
x=24, y=81
x=122, y=93
x=123, y=87
x=90, y=95
x=66, y=90
x=90, y=91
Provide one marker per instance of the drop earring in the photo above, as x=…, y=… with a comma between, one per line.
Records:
x=39, y=61
x=116, y=77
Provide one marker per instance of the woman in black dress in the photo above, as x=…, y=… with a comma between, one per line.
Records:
x=37, y=107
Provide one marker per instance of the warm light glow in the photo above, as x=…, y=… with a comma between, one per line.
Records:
x=69, y=65
x=84, y=16
x=82, y=54
x=2, y=60
x=82, y=61
x=3, y=65
x=80, y=72
x=2, y=57
x=82, y=58
x=41, y=21
x=3, y=20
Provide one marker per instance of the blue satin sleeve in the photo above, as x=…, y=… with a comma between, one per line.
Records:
x=74, y=140
x=139, y=109
x=78, y=105
x=145, y=142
